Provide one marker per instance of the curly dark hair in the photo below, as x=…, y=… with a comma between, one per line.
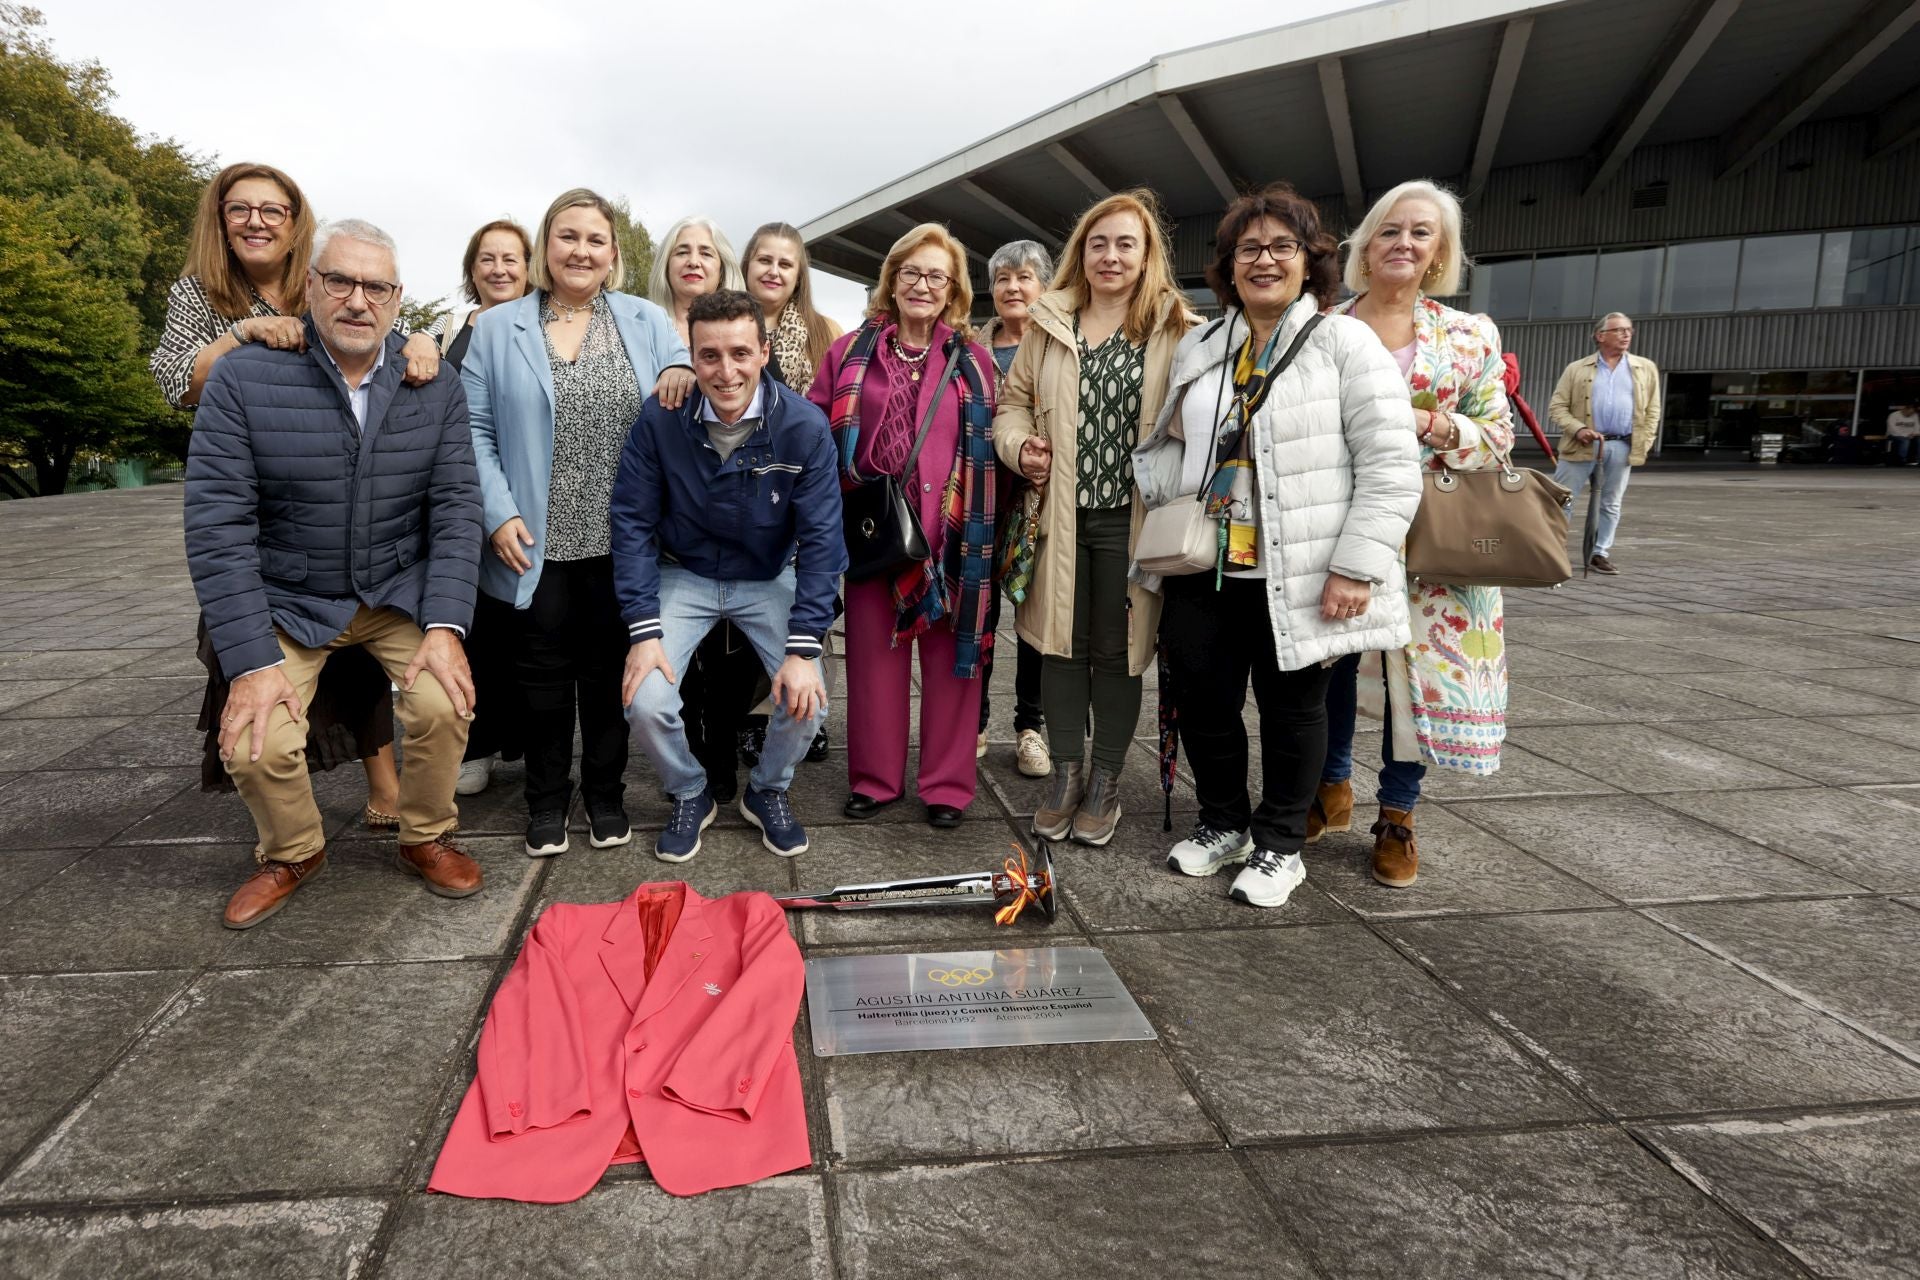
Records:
x=1279, y=201
x=727, y=304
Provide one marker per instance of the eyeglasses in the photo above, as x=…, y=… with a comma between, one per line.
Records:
x=238, y=213
x=1282, y=251
x=1618, y=329
x=935, y=280
x=378, y=292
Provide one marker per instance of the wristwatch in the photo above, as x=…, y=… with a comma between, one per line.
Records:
x=234, y=329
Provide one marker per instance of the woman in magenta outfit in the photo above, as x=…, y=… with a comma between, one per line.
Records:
x=877, y=385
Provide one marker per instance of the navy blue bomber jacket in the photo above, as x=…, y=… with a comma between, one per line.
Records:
x=774, y=502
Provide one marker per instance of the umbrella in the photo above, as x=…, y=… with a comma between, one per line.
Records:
x=1591, y=536
x=1169, y=731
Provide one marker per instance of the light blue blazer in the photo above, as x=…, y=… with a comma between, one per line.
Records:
x=510, y=411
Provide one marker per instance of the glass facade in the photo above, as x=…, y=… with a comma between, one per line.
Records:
x=1821, y=415
x=1701, y=276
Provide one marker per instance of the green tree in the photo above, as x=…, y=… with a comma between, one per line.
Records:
x=636, y=247
x=417, y=314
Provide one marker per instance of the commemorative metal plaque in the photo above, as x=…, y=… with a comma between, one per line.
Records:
x=968, y=1000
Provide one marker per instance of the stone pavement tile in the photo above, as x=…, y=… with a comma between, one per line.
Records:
x=775, y=1229
x=1811, y=750
x=24, y=870
x=127, y=907
x=1900, y=684
x=1857, y=959
x=1527, y=705
x=901, y=1107
x=501, y=810
x=1085, y=1219
x=111, y=696
x=193, y=815
x=1141, y=798
x=1462, y=869
x=1316, y=1031
x=146, y=741
x=37, y=744
x=1638, y=852
x=1775, y=627
x=1642, y=697
x=64, y=664
x=1644, y=657
x=1907, y=795
x=363, y=909
x=1851, y=835
x=62, y=1029
x=1577, y=1202
x=272, y=1240
x=1841, y=1193
x=1646, y=760
x=1126, y=887
x=182, y=660
x=818, y=791
x=1647, y=1022
x=1886, y=650
x=268, y=1080
x=1901, y=730
x=1522, y=773
x=81, y=807
x=1777, y=654
x=1566, y=634
x=854, y=855
x=730, y=860
x=1869, y=621
x=18, y=693
x=1792, y=695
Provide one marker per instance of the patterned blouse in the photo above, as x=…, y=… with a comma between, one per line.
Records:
x=192, y=323
x=595, y=403
x=1110, y=390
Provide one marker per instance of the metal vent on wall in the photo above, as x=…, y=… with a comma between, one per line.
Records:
x=1651, y=196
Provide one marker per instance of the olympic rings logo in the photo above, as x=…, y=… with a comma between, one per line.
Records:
x=960, y=977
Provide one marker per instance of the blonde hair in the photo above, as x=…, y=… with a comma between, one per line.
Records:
x=1449, y=260
x=731, y=276
x=210, y=257
x=959, y=301
x=1156, y=271
x=820, y=330
x=578, y=198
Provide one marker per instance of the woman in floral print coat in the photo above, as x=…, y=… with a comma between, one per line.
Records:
x=1447, y=690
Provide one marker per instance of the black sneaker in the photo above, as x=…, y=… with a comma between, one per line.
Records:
x=607, y=824
x=547, y=833
x=751, y=743
x=817, y=750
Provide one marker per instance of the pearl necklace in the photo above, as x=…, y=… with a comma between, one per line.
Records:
x=914, y=363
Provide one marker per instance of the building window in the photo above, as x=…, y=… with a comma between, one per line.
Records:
x=1700, y=277
x=1863, y=268
x=1563, y=287
x=1777, y=273
x=1629, y=282
x=1500, y=289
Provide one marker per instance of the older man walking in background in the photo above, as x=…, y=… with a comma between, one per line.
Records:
x=1606, y=405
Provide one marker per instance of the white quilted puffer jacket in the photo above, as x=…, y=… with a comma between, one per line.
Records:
x=1337, y=467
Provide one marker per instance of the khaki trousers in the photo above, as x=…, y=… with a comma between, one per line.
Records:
x=277, y=788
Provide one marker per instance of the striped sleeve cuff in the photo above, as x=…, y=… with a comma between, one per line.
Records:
x=643, y=630
x=799, y=646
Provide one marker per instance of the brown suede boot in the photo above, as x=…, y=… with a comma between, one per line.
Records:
x=447, y=871
x=1332, y=810
x=1396, y=857
x=267, y=890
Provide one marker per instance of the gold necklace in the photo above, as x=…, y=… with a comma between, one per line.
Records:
x=913, y=363
x=555, y=307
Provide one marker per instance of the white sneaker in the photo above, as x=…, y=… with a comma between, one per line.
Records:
x=1032, y=756
x=1206, y=850
x=474, y=776
x=980, y=747
x=1268, y=879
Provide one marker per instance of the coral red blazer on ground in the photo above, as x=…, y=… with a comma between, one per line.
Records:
x=660, y=1029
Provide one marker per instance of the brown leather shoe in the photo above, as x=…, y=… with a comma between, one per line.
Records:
x=1332, y=810
x=1600, y=564
x=447, y=871
x=1396, y=857
x=267, y=890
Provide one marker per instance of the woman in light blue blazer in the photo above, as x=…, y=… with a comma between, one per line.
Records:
x=554, y=383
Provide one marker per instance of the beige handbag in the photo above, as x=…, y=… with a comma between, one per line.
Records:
x=1179, y=538
x=1505, y=528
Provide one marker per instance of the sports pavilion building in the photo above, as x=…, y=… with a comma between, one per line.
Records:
x=1740, y=176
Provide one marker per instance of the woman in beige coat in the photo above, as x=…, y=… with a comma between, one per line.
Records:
x=1085, y=386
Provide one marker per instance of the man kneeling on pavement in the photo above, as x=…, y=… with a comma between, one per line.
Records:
x=327, y=505
x=728, y=509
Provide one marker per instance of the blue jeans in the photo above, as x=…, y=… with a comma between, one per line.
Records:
x=1615, y=467
x=1399, y=779
x=1901, y=450
x=690, y=607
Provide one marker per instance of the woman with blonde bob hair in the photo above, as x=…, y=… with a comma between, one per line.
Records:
x=1444, y=695
x=1085, y=386
x=694, y=258
x=909, y=396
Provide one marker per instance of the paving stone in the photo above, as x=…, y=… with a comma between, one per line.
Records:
x=1638, y=852
x=1647, y=760
x=775, y=1229
x=1521, y=773
x=1141, y=797
x=1856, y=958
x=36, y=744
x=273, y=1240
x=1811, y=750
x=1642, y=657
x=63, y=1029
x=1901, y=730
x=64, y=664
x=268, y=1080
x=19, y=693
x=1318, y=1031
x=730, y=860
x=1841, y=1193
x=1884, y=684
x=1643, y=697
x=1086, y=1219
x=179, y=660
x=1906, y=795
x=1801, y=655
x=1886, y=650
x=1579, y=1202
x=1849, y=834
x=196, y=816
x=111, y=696
x=902, y=1107
x=1527, y=705
x=126, y=907
x=1462, y=869
x=83, y=807
x=24, y=870
x=1793, y=695
x=1648, y=1023
x=147, y=741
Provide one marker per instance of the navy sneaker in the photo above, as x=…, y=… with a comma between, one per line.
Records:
x=681, y=840
x=780, y=831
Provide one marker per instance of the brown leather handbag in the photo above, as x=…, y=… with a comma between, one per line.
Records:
x=1504, y=528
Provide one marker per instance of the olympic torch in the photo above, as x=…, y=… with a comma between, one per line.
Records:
x=1009, y=891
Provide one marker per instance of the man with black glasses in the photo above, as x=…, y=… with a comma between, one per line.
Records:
x=1607, y=406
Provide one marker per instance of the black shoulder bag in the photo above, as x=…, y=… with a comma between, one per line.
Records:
x=880, y=519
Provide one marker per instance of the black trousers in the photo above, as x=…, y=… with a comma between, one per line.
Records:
x=1026, y=688
x=500, y=704
x=573, y=652
x=721, y=686
x=1215, y=641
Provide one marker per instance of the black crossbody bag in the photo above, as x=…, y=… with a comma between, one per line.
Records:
x=880, y=519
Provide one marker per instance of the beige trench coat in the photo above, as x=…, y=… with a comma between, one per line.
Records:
x=1040, y=396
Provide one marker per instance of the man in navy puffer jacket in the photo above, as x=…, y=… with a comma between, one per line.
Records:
x=328, y=504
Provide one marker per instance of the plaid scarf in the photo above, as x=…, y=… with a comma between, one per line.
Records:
x=960, y=586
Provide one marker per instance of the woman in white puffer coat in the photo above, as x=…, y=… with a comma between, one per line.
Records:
x=1319, y=482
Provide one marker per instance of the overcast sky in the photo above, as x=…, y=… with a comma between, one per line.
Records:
x=434, y=118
